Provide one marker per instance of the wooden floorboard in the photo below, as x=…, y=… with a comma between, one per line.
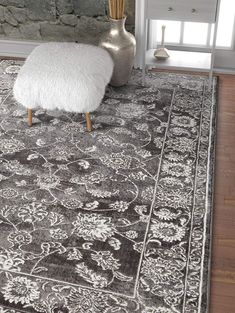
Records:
x=223, y=252
x=222, y=299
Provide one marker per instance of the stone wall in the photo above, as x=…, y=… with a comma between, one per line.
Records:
x=58, y=20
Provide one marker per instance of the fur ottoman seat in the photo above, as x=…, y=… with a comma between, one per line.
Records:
x=65, y=76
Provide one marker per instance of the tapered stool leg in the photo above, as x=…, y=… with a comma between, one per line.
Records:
x=88, y=122
x=30, y=117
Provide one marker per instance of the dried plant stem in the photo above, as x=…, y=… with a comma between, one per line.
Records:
x=110, y=8
x=119, y=9
x=122, y=7
x=116, y=8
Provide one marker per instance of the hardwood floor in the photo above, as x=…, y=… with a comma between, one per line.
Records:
x=223, y=252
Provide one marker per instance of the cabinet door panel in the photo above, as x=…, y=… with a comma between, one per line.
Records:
x=184, y=10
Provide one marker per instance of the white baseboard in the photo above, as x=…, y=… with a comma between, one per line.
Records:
x=14, y=48
x=224, y=71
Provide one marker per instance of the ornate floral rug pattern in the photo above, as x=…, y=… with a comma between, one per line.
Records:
x=116, y=220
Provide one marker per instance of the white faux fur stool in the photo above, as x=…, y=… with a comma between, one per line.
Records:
x=66, y=76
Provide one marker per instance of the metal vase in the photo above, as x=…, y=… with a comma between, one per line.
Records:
x=122, y=46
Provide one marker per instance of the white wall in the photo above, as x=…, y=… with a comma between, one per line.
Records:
x=225, y=59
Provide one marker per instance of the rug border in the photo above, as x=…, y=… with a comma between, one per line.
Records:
x=215, y=103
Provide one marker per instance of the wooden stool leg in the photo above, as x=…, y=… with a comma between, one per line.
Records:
x=88, y=122
x=30, y=117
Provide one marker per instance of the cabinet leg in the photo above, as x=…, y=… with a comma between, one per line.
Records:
x=210, y=80
x=143, y=76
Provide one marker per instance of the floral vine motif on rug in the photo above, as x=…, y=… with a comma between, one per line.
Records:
x=116, y=220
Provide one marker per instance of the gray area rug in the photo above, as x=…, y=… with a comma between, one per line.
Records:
x=116, y=220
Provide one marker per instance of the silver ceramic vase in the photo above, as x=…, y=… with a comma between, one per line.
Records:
x=122, y=46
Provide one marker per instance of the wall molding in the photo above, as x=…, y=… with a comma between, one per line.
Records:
x=17, y=48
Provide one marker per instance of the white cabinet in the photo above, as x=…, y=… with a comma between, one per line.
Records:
x=180, y=10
